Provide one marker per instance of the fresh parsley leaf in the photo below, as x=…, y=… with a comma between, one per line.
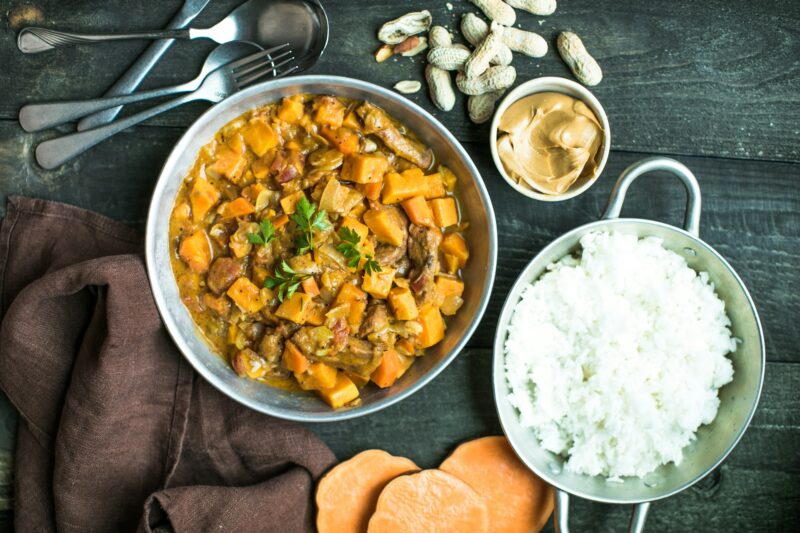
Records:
x=349, y=249
x=308, y=219
x=370, y=266
x=285, y=280
x=267, y=231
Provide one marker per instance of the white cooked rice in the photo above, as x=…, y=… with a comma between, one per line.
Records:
x=614, y=359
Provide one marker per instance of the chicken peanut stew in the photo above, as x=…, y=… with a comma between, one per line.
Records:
x=318, y=245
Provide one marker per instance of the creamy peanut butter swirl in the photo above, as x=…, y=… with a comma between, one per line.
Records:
x=549, y=141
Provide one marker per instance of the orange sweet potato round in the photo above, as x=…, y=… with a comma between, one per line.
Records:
x=430, y=501
x=347, y=494
x=517, y=499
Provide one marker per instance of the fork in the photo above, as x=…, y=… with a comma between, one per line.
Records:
x=36, y=117
x=218, y=85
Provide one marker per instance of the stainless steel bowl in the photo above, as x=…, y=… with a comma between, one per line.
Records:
x=478, y=274
x=738, y=399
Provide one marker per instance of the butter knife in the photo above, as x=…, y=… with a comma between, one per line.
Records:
x=139, y=69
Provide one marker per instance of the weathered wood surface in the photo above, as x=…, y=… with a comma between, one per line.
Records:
x=714, y=84
x=717, y=77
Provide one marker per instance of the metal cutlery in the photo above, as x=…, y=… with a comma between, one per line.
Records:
x=36, y=117
x=129, y=81
x=217, y=86
x=256, y=21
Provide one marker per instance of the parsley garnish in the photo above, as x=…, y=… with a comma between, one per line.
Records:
x=308, y=219
x=266, y=236
x=286, y=280
x=349, y=248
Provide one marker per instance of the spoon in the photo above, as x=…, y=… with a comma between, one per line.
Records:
x=36, y=117
x=301, y=23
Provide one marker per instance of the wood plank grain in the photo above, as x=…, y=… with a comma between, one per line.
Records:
x=756, y=489
x=697, y=78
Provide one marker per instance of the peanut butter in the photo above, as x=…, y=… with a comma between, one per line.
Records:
x=549, y=141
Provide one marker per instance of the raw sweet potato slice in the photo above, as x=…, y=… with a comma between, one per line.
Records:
x=517, y=499
x=431, y=501
x=346, y=495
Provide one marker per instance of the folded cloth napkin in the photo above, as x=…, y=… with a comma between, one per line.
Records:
x=116, y=430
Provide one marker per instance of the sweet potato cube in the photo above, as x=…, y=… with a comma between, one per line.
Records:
x=450, y=180
x=418, y=211
x=203, y=197
x=371, y=191
x=246, y=295
x=399, y=187
x=378, y=284
x=294, y=308
x=343, y=139
x=239, y=207
x=291, y=110
x=405, y=363
x=315, y=314
x=289, y=202
x=341, y=393
x=351, y=121
x=388, y=370
x=359, y=381
x=260, y=136
x=353, y=224
x=195, y=250
x=403, y=304
x=387, y=224
x=350, y=294
x=432, y=326
x=318, y=376
x=310, y=287
x=280, y=221
x=328, y=111
x=434, y=187
x=451, y=263
x=455, y=245
x=294, y=359
x=364, y=168
x=449, y=285
x=405, y=347
x=228, y=163
x=445, y=212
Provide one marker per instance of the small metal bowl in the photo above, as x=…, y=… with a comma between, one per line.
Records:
x=558, y=85
x=478, y=274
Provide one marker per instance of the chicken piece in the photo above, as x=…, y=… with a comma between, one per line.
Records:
x=376, y=319
x=341, y=331
x=220, y=305
x=360, y=357
x=378, y=123
x=423, y=249
x=305, y=341
x=223, y=272
x=388, y=255
x=271, y=347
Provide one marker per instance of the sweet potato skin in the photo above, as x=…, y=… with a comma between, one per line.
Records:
x=518, y=501
x=346, y=496
x=431, y=501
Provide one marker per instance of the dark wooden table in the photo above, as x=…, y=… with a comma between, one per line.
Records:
x=714, y=84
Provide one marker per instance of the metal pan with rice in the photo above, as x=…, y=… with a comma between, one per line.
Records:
x=629, y=357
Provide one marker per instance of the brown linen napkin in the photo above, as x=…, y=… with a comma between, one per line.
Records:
x=116, y=429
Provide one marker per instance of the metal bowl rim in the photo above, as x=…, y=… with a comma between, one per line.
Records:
x=164, y=310
x=498, y=372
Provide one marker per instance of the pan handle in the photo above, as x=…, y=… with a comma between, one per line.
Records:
x=561, y=518
x=691, y=221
